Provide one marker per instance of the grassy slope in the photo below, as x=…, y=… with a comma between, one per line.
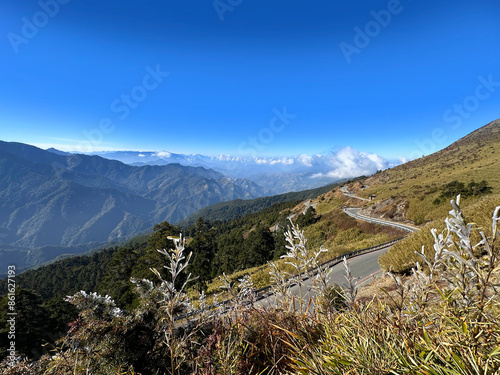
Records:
x=401, y=257
x=475, y=157
x=418, y=183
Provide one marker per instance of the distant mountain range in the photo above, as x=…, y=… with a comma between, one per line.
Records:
x=52, y=199
x=277, y=175
x=55, y=202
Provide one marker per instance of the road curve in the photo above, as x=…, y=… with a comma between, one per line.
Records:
x=354, y=212
x=362, y=266
x=362, y=269
x=344, y=191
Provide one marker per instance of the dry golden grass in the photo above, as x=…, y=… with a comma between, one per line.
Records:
x=401, y=257
x=472, y=158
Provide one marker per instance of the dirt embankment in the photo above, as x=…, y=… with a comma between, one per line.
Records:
x=390, y=209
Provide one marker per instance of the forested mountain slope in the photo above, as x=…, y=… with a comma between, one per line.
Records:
x=49, y=199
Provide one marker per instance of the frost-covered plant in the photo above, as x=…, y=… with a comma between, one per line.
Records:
x=322, y=276
x=463, y=273
x=448, y=321
x=351, y=290
x=174, y=300
x=465, y=267
x=241, y=295
x=93, y=305
x=399, y=302
x=143, y=287
x=422, y=283
x=202, y=302
x=246, y=293
x=301, y=258
x=228, y=286
x=469, y=267
x=280, y=286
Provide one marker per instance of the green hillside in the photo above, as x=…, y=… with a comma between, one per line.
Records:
x=444, y=324
x=225, y=211
x=418, y=191
x=234, y=247
x=473, y=158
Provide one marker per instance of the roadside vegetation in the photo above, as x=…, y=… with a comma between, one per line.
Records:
x=437, y=315
x=441, y=319
x=402, y=257
x=238, y=248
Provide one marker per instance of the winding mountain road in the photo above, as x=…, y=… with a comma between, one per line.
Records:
x=363, y=266
x=354, y=212
x=344, y=191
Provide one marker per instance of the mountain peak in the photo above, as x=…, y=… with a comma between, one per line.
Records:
x=57, y=152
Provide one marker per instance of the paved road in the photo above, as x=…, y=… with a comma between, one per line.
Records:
x=344, y=191
x=354, y=212
x=362, y=268
x=307, y=204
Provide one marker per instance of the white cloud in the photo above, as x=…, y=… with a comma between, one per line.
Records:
x=225, y=157
x=274, y=161
x=344, y=163
x=306, y=160
x=163, y=154
x=349, y=162
x=284, y=161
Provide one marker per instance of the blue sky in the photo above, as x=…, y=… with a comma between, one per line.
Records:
x=92, y=75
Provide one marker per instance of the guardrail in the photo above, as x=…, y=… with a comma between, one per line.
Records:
x=264, y=292
x=405, y=227
x=260, y=293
